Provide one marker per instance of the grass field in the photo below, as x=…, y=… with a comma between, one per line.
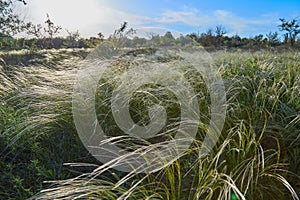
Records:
x=256, y=157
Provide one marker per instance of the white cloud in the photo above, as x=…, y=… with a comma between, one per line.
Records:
x=88, y=16
x=187, y=17
x=235, y=23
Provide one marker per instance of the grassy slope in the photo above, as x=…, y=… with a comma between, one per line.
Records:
x=260, y=139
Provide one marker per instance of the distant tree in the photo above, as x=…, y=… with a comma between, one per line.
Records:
x=169, y=35
x=118, y=32
x=292, y=28
x=206, y=39
x=72, y=39
x=167, y=39
x=285, y=38
x=193, y=36
x=273, y=39
x=219, y=34
x=51, y=29
x=259, y=37
x=33, y=29
x=209, y=32
x=236, y=41
x=220, y=31
x=258, y=41
x=9, y=21
x=100, y=36
x=123, y=31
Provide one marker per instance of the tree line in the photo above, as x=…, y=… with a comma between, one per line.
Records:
x=46, y=36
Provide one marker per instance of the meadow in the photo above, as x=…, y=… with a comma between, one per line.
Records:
x=256, y=157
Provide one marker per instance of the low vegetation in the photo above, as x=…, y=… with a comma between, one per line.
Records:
x=42, y=156
x=257, y=156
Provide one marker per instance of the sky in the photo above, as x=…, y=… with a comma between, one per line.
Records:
x=246, y=18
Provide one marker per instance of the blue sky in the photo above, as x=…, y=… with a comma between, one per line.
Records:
x=246, y=18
